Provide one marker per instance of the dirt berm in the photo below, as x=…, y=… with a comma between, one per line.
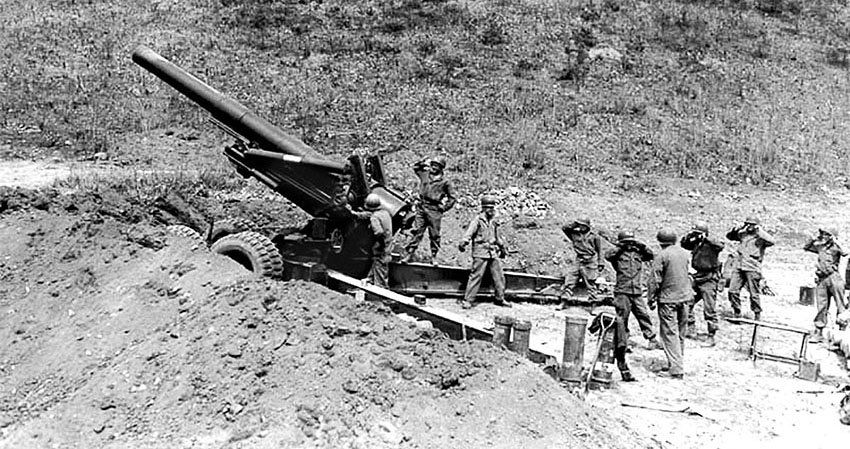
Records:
x=118, y=334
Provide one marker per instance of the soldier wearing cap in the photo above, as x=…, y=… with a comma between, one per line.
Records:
x=436, y=196
x=591, y=260
x=670, y=288
x=705, y=260
x=487, y=249
x=381, y=225
x=830, y=286
x=628, y=258
x=746, y=264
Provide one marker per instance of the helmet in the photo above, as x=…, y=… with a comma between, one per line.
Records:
x=373, y=202
x=666, y=236
x=488, y=201
x=625, y=235
x=440, y=161
x=701, y=227
x=830, y=230
x=584, y=221
x=752, y=221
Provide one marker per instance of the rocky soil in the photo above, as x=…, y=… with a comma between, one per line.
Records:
x=118, y=334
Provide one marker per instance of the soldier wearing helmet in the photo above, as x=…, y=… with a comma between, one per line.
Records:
x=829, y=285
x=590, y=263
x=705, y=260
x=670, y=288
x=436, y=196
x=628, y=258
x=381, y=225
x=746, y=264
x=487, y=249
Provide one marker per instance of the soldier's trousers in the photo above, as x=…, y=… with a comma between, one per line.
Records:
x=750, y=280
x=480, y=266
x=636, y=305
x=581, y=270
x=430, y=219
x=829, y=288
x=705, y=290
x=672, y=324
x=379, y=272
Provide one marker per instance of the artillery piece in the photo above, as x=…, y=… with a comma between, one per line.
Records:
x=329, y=192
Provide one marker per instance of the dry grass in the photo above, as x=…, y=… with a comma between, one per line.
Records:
x=744, y=91
x=144, y=186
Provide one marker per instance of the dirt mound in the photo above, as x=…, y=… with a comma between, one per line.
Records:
x=121, y=335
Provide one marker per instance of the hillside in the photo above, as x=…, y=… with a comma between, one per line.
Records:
x=639, y=115
x=732, y=92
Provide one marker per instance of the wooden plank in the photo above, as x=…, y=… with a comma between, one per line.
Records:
x=450, y=322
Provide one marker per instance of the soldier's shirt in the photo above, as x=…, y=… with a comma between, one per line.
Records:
x=628, y=263
x=587, y=246
x=435, y=190
x=484, y=235
x=705, y=255
x=382, y=227
x=829, y=255
x=751, y=249
x=671, y=283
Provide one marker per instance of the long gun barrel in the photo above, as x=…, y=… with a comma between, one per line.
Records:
x=282, y=162
x=224, y=109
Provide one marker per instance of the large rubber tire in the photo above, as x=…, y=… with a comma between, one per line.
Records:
x=253, y=251
x=187, y=233
x=228, y=226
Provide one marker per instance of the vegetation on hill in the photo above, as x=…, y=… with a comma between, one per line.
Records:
x=750, y=91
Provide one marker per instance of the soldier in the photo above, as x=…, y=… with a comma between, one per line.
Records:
x=382, y=228
x=591, y=262
x=705, y=259
x=628, y=258
x=746, y=266
x=671, y=289
x=436, y=196
x=487, y=249
x=830, y=286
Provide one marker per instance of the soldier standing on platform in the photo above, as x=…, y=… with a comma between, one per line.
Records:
x=590, y=263
x=487, y=249
x=436, y=197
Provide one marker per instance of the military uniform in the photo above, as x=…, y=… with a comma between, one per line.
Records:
x=746, y=266
x=590, y=261
x=830, y=286
x=705, y=260
x=487, y=248
x=628, y=259
x=436, y=196
x=671, y=289
x=382, y=228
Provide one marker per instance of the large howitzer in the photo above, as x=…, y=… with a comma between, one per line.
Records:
x=327, y=190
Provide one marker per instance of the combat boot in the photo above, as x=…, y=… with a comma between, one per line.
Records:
x=503, y=303
x=691, y=333
x=709, y=341
x=627, y=376
x=757, y=316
